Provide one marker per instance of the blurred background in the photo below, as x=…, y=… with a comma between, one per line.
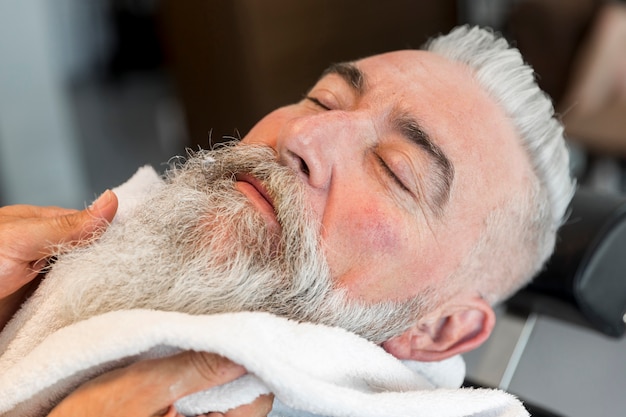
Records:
x=92, y=89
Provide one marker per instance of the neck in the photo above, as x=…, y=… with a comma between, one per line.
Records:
x=10, y=304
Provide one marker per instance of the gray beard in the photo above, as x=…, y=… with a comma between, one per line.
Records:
x=198, y=246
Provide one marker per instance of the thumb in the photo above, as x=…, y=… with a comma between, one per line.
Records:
x=149, y=388
x=198, y=371
x=82, y=225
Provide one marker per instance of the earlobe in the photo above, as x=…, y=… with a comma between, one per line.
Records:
x=459, y=329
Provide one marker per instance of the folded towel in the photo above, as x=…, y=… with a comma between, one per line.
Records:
x=311, y=369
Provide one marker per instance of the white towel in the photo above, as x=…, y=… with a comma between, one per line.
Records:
x=311, y=369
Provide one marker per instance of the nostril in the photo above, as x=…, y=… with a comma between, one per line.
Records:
x=304, y=167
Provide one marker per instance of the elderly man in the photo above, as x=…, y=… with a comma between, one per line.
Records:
x=402, y=198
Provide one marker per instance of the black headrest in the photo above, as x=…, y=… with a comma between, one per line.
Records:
x=588, y=269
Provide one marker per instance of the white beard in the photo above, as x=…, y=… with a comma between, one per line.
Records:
x=198, y=246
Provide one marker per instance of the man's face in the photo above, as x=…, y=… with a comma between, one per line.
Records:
x=400, y=169
x=380, y=190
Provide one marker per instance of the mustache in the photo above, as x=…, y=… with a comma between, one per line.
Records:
x=224, y=163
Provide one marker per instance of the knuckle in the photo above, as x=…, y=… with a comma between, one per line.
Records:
x=208, y=365
x=67, y=223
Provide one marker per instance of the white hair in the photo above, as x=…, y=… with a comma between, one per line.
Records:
x=532, y=217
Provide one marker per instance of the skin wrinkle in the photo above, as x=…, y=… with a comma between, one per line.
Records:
x=442, y=176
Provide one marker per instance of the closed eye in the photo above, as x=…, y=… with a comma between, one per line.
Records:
x=317, y=102
x=392, y=175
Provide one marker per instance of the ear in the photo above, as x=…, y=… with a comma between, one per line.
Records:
x=456, y=329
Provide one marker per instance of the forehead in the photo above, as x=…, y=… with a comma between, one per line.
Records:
x=411, y=63
x=428, y=84
x=442, y=95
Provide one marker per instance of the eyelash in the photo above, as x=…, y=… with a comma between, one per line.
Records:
x=317, y=102
x=391, y=174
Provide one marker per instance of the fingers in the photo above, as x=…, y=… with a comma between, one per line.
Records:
x=260, y=407
x=33, y=229
x=28, y=235
x=80, y=225
x=40, y=230
x=208, y=370
x=149, y=388
x=25, y=211
x=198, y=371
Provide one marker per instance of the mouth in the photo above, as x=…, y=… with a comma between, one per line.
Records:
x=257, y=194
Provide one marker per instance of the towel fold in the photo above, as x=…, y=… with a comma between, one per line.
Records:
x=311, y=369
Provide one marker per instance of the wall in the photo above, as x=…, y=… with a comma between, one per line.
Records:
x=39, y=156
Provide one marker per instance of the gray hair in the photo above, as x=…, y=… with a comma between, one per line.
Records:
x=519, y=236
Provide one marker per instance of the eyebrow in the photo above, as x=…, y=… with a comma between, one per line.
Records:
x=442, y=176
x=350, y=73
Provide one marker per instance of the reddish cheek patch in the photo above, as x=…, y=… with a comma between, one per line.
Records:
x=376, y=248
x=376, y=233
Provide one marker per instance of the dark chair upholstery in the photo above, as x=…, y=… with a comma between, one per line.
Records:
x=585, y=280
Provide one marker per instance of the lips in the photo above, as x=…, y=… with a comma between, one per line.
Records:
x=258, y=195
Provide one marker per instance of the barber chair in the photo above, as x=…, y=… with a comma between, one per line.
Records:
x=584, y=281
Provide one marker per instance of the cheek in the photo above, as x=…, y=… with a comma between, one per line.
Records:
x=267, y=129
x=364, y=248
x=375, y=232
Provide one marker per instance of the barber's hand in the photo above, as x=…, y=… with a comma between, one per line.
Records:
x=150, y=388
x=28, y=235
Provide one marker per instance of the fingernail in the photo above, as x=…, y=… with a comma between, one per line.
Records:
x=102, y=201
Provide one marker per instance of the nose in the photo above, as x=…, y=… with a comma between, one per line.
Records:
x=323, y=145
